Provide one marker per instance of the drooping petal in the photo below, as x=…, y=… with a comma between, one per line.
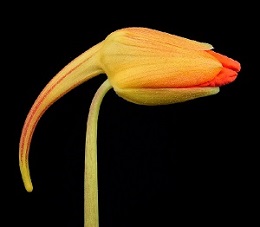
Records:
x=76, y=72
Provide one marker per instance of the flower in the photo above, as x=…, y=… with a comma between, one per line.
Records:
x=151, y=67
x=144, y=66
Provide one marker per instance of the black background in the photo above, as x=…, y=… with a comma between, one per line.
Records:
x=177, y=165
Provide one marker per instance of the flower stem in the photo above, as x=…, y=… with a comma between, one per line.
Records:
x=91, y=179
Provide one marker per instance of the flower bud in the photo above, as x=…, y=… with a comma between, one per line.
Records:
x=151, y=67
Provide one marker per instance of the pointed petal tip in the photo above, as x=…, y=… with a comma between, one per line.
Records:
x=207, y=46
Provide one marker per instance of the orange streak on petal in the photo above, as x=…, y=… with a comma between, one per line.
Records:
x=75, y=73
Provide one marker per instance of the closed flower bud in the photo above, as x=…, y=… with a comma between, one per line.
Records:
x=143, y=66
x=151, y=67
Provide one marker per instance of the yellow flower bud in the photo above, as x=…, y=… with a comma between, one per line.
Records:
x=143, y=66
x=151, y=67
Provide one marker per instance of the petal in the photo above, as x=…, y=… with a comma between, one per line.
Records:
x=135, y=66
x=76, y=72
x=164, y=96
x=225, y=76
x=226, y=61
x=139, y=36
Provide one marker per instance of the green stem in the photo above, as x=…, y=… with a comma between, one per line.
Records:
x=91, y=178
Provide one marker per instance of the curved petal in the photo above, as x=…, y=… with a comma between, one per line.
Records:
x=76, y=72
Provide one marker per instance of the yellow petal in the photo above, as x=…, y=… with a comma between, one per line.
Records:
x=164, y=96
x=152, y=59
x=138, y=36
